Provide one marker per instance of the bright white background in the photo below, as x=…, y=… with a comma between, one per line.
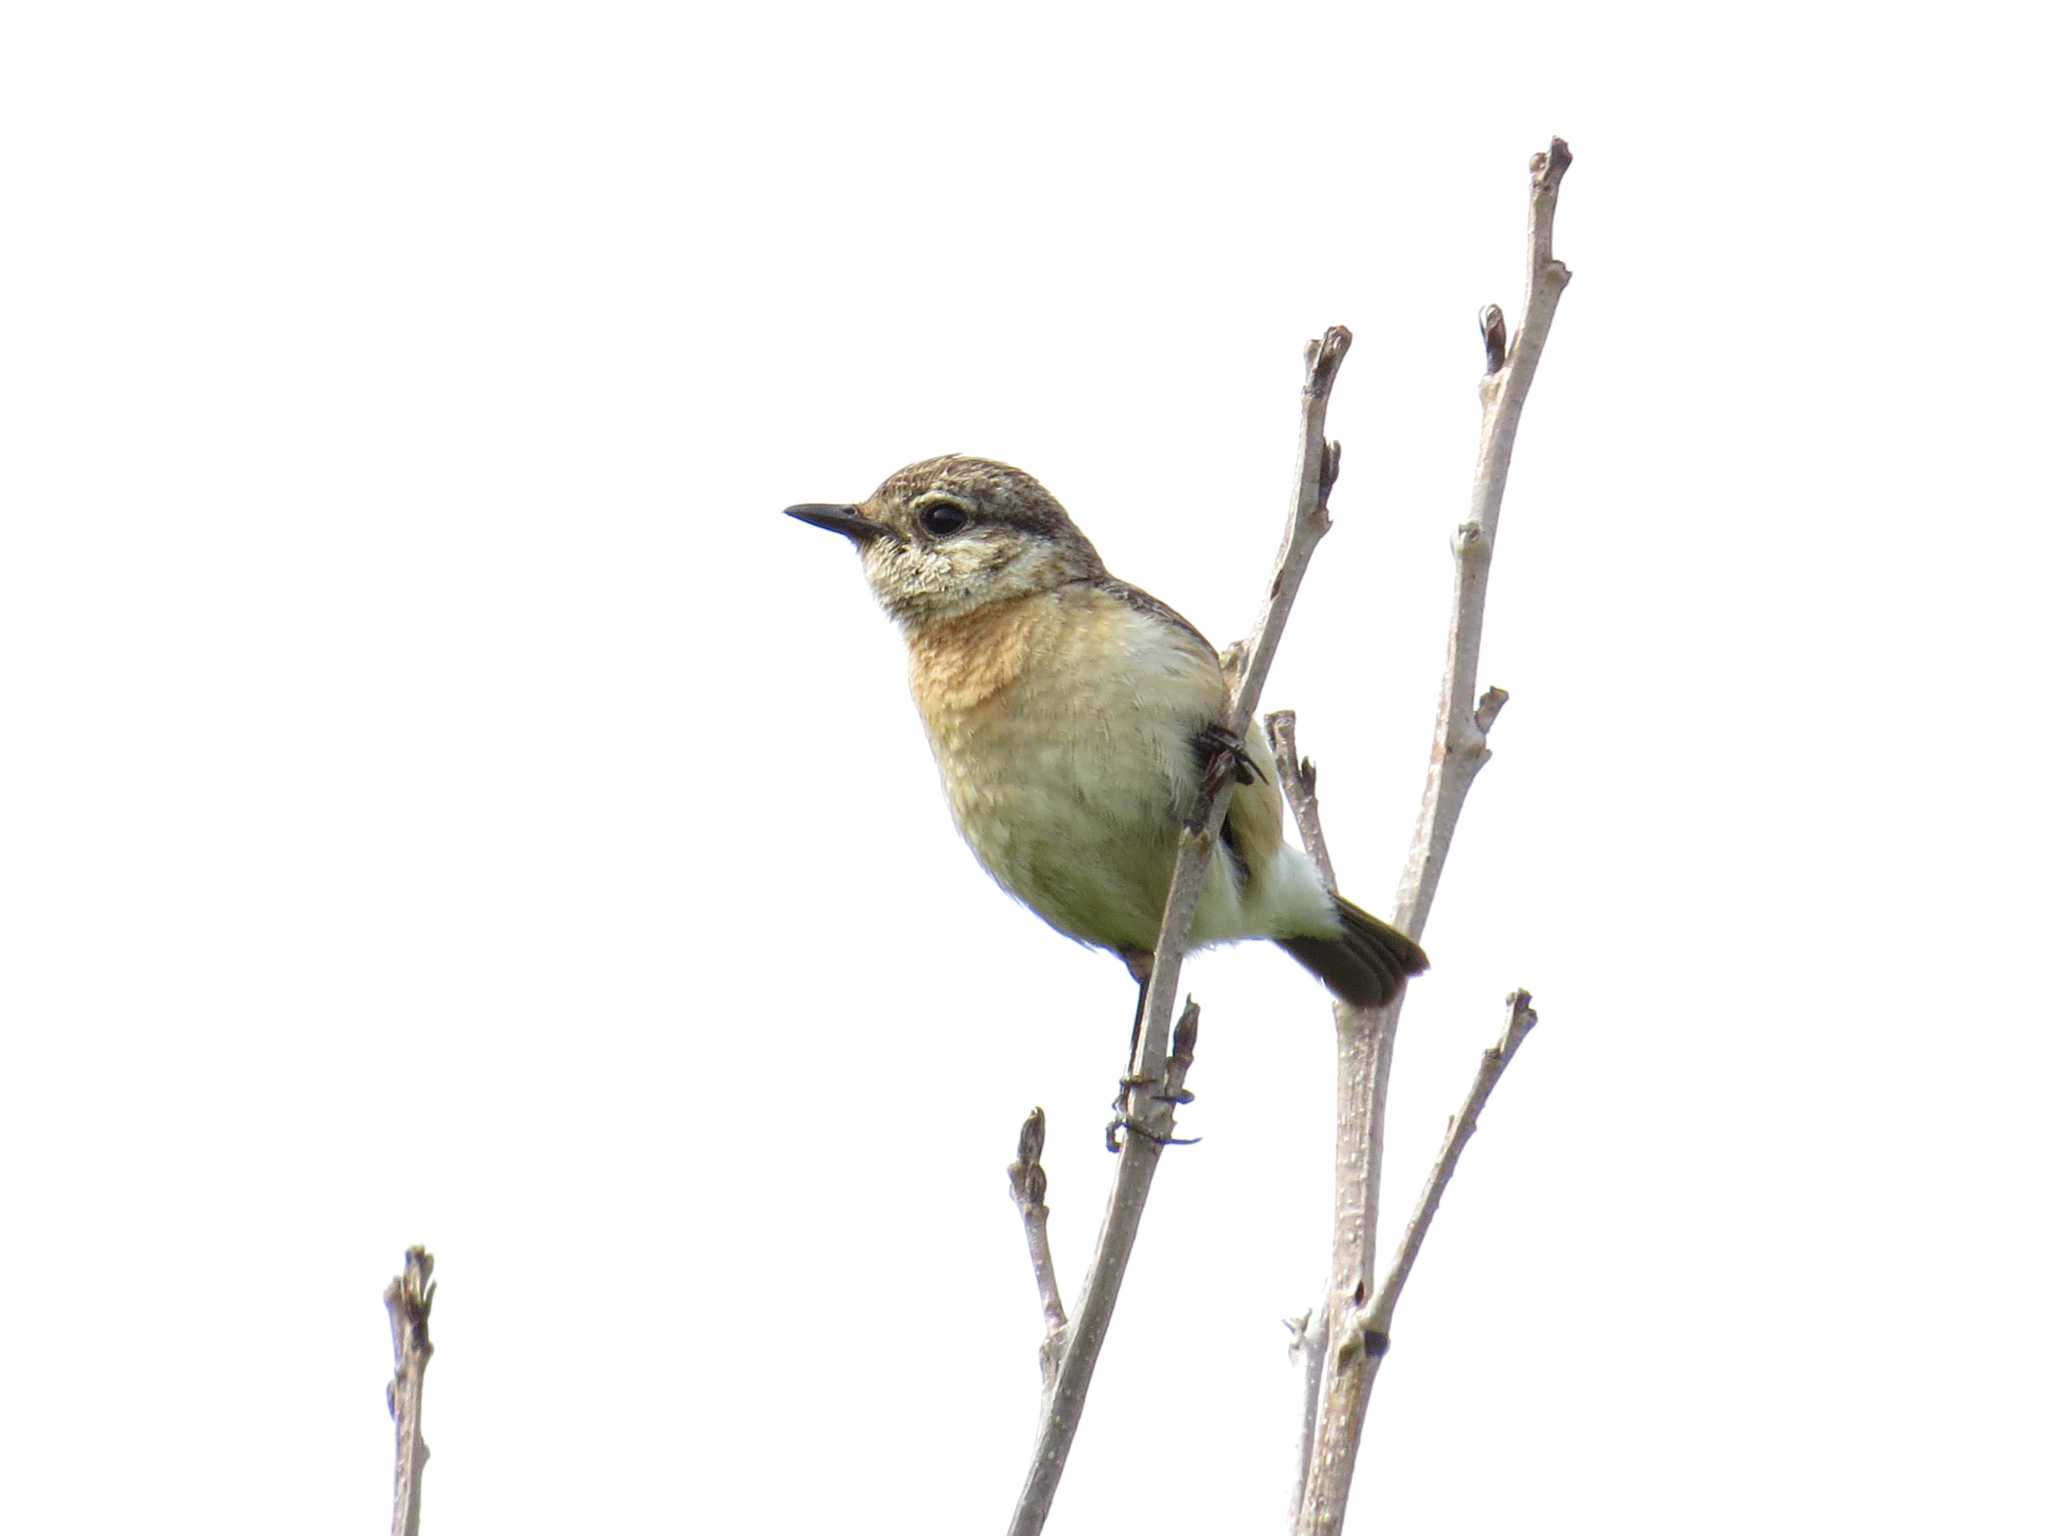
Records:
x=446, y=802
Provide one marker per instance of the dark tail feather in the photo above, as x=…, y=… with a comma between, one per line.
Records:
x=1367, y=965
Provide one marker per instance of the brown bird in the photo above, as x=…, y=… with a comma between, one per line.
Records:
x=1074, y=718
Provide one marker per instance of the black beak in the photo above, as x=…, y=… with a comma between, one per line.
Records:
x=840, y=520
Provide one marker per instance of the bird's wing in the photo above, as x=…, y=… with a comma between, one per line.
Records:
x=1144, y=602
x=1252, y=827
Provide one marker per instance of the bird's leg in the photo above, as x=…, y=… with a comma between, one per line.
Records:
x=1125, y=1123
x=1139, y=963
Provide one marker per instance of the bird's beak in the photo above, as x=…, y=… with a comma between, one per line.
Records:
x=844, y=520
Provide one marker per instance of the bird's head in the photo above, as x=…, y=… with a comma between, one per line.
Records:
x=944, y=537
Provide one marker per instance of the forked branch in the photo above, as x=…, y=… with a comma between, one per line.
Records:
x=1378, y=1320
x=1340, y=1391
x=1157, y=1081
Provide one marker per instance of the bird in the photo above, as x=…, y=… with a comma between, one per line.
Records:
x=1075, y=718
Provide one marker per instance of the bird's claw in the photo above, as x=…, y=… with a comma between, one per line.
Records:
x=1226, y=757
x=1123, y=1124
x=1123, y=1127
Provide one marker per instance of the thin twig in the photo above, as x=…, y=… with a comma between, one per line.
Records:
x=1365, y=1037
x=409, y=1299
x=1298, y=784
x=1368, y=1332
x=1149, y=1109
x=1027, y=1189
x=1379, y=1317
x=1460, y=749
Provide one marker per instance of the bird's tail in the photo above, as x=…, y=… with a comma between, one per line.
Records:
x=1366, y=964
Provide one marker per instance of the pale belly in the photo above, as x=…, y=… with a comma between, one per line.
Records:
x=1063, y=727
x=1075, y=805
x=1090, y=853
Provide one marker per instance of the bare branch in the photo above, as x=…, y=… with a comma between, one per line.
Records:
x=409, y=1299
x=1149, y=1112
x=1365, y=1037
x=1027, y=1189
x=1366, y=1334
x=1298, y=784
x=1460, y=749
x=1060, y=1411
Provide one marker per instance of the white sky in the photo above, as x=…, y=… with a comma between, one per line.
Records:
x=446, y=802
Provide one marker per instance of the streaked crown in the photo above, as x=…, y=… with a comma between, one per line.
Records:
x=948, y=535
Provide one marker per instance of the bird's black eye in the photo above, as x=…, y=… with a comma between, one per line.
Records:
x=941, y=518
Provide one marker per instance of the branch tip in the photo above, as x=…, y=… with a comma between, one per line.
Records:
x=1521, y=1016
x=1325, y=357
x=1027, y=1173
x=409, y=1300
x=1185, y=1032
x=1031, y=1136
x=1027, y=1189
x=1491, y=703
x=1298, y=788
x=1493, y=332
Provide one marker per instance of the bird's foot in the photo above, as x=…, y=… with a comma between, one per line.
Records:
x=1126, y=1122
x=1224, y=758
x=1227, y=754
x=1123, y=1127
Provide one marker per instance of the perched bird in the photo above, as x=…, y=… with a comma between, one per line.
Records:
x=1074, y=719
